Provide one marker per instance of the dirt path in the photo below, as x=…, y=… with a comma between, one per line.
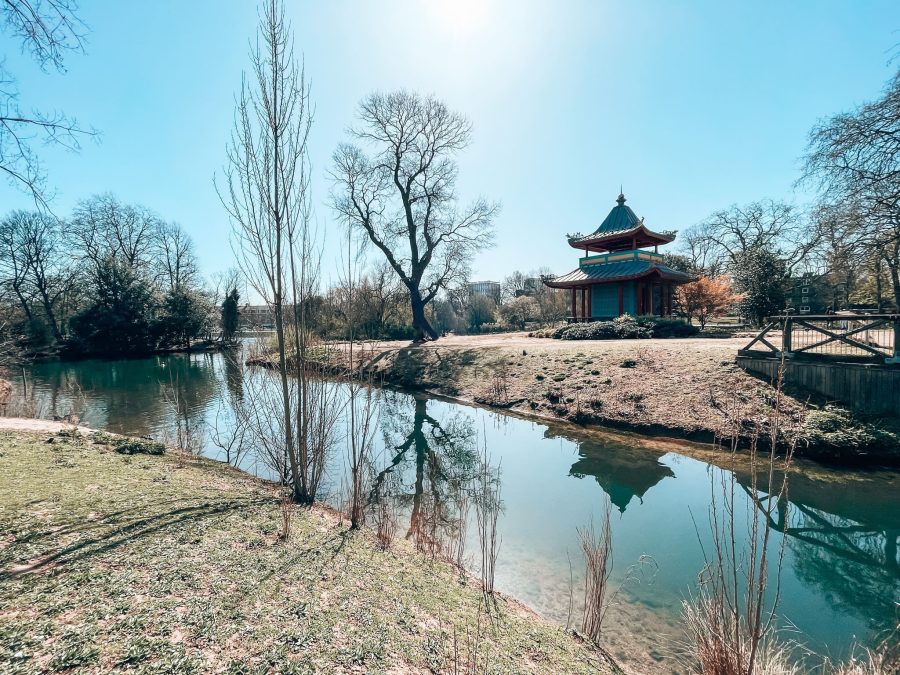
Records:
x=26, y=424
x=522, y=341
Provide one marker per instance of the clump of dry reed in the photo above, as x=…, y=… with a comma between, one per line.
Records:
x=597, y=549
x=468, y=653
x=385, y=524
x=487, y=509
x=730, y=623
x=287, y=514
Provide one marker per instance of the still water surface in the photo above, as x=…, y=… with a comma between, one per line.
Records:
x=840, y=581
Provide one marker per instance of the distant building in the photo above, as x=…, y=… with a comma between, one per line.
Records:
x=486, y=289
x=257, y=316
x=812, y=294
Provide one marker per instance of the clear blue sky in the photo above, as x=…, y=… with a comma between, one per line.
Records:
x=692, y=106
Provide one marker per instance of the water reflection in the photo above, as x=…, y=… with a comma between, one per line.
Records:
x=622, y=472
x=430, y=468
x=844, y=544
x=133, y=396
x=840, y=579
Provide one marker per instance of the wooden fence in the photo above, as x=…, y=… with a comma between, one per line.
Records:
x=867, y=338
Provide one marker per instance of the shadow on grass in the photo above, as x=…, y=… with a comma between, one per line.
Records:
x=414, y=368
x=108, y=536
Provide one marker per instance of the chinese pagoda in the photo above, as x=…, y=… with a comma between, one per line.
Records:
x=621, y=278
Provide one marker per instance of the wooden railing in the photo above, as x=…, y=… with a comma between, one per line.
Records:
x=855, y=337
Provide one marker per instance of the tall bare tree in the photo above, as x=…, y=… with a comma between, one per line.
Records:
x=175, y=260
x=33, y=266
x=403, y=195
x=718, y=242
x=266, y=193
x=854, y=160
x=48, y=30
x=102, y=229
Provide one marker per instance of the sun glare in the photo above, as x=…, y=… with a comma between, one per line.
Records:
x=459, y=17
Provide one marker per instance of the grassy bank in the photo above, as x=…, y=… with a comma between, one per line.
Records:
x=168, y=563
x=685, y=388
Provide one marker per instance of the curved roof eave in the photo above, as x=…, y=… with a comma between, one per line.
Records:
x=579, y=278
x=579, y=242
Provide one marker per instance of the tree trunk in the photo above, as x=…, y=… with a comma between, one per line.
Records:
x=423, y=329
x=24, y=303
x=51, y=316
x=895, y=282
x=878, y=289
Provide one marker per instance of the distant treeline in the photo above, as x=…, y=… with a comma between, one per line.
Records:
x=112, y=278
x=115, y=278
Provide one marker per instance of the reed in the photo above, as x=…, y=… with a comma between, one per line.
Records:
x=597, y=549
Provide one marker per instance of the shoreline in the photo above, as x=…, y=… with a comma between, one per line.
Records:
x=221, y=544
x=622, y=651
x=680, y=389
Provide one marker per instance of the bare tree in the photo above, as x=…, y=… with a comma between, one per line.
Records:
x=385, y=294
x=403, y=196
x=225, y=281
x=487, y=510
x=266, y=193
x=512, y=286
x=732, y=619
x=13, y=266
x=175, y=260
x=854, y=159
x=48, y=30
x=856, y=154
x=33, y=265
x=701, y=249
x=361, y=407
x=103, y=229
x=718, y=242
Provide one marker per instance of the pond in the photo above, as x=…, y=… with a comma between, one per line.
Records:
x=840, y=578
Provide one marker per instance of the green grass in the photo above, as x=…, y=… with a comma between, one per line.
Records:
x=173, y=564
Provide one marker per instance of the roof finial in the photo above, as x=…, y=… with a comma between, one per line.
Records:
x=621, y=197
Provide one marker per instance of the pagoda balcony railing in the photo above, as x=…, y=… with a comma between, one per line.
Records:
x=873, y=338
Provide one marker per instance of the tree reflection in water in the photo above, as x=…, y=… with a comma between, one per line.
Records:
x=430, y=468
x=128, y=395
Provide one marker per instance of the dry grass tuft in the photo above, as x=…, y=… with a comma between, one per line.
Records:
x=597, y=548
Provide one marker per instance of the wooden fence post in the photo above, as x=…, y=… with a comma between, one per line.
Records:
x=896, y=357
x=787, y=337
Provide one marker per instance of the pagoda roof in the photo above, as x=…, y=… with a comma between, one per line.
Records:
x=618, y=271
x=620, y=230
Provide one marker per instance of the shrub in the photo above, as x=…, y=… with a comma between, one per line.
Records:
x=836, y=433
x=625, y=327
x=136, y=446
x=628, y=363
x=667, y=327
x=605, y=330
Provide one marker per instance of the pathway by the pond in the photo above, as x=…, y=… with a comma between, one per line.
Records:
x=841, y=575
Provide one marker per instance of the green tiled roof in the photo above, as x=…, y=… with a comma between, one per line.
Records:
x=620, y=219
x=619, y=271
